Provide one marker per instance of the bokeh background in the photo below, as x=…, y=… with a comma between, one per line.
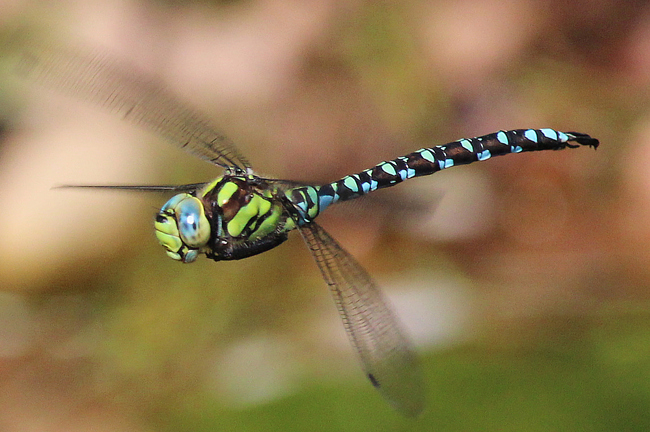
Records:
x=523, y=280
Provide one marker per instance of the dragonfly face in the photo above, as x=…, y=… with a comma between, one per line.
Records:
x=182, y=227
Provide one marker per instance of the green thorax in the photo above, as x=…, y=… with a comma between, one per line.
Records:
x=232, y=217
x=245, y=208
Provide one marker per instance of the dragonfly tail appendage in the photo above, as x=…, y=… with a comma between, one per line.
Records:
x=582, y=139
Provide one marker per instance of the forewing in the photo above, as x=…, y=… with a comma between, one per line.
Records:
x=385, y=352
x=139, y=188
x=117, y=87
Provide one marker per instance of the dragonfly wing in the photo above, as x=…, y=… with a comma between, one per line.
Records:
x=137, y=188
x=385, y=351
x=137, y=98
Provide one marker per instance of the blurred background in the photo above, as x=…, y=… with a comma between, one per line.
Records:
x=524, y=280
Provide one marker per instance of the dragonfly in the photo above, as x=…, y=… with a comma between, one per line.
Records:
x=240, y=214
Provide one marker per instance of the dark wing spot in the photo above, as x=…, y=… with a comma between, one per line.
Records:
x=373, y=380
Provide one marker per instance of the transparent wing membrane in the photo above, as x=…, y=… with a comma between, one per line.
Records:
x=382, y=346
x=135, y=188
x=136, y=98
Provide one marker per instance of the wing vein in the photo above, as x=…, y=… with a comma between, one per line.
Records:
x=382, y=346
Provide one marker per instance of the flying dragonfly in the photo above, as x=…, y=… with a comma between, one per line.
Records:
x=240, y=214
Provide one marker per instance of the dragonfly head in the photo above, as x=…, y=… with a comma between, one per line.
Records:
x=182, y=227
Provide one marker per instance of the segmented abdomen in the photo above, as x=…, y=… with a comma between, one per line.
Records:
x=311, y=200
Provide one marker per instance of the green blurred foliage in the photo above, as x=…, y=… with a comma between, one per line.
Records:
x=154, y=327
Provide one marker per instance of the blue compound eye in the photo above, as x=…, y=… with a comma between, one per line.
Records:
x=182, y=227
x=193, y=226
